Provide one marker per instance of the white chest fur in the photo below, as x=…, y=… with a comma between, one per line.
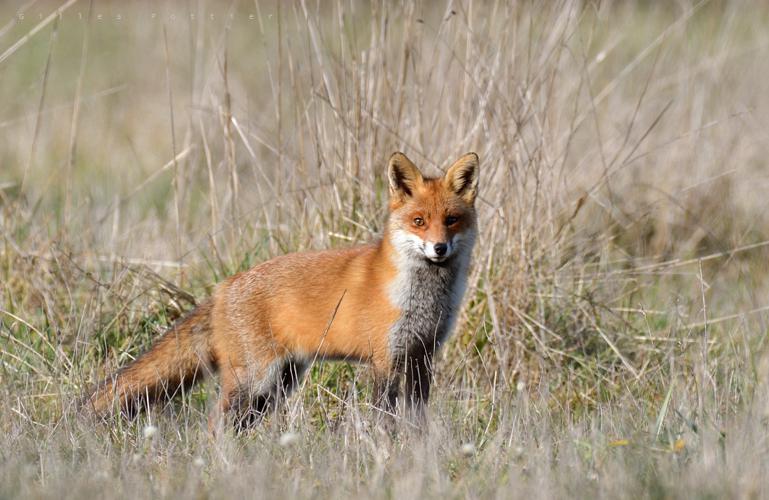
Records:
x=429, y=296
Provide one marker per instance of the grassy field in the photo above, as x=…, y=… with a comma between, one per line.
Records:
x=613, y=338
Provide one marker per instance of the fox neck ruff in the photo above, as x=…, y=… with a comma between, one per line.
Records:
x=428, y=295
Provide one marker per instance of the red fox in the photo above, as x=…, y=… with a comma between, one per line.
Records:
x=389, y=304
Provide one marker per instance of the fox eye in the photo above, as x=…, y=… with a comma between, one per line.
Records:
x=419, y=221
x=451, y=220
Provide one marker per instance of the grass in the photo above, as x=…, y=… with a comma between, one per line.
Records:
x=612, y=340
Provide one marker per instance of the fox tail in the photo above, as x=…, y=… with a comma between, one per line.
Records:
x=179, y=359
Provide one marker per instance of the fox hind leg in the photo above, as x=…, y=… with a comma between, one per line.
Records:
x=250, y=401
x=291, y=376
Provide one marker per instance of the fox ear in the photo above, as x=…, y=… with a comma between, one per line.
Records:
x=403, y=175
x=462, y=177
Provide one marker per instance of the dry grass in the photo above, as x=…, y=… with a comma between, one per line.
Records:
x=613, y=338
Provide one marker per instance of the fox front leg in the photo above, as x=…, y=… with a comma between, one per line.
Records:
x=419, y=375
x=386, y=391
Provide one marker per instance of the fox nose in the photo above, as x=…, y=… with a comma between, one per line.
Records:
x=440, y=249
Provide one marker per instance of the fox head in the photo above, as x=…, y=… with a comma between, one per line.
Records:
x=432, y=219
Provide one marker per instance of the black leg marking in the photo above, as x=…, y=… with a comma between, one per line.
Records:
x=419, y=374
x=248, y=408
x=290, y=377
x=386, y=389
